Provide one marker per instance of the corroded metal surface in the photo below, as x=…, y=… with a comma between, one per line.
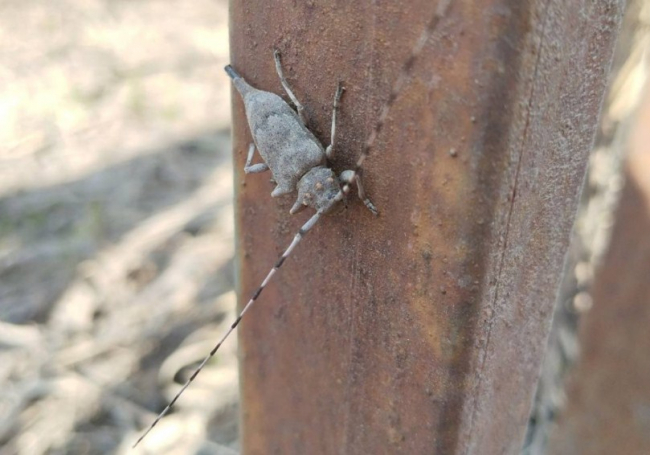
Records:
x=421, y=331
x=608, y=393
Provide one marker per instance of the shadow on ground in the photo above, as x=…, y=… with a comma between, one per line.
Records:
x=110, y=286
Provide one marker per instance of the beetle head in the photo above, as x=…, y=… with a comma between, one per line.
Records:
x=317, y=189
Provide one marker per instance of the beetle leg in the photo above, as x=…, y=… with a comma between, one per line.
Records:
x=299, y=107
x=350, y=177
x=253, y=168
x=329, y=152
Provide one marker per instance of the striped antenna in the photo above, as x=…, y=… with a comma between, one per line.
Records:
x=368, y=147
x=296, y=240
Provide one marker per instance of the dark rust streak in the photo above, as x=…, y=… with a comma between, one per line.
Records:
x=510, y=211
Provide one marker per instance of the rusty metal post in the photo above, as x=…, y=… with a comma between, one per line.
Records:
x=421, y=331
x=608, y=406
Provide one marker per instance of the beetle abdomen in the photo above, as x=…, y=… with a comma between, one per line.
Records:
x=285, y=144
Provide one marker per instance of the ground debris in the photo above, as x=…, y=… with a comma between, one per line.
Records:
x=116, y=237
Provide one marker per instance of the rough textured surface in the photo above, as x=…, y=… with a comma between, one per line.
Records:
x=592, y=231
x=285, y=144
x=608, y=393
x=421, y=331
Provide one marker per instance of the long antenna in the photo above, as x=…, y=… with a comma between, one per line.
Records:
x=368, y=147
x=296, y=240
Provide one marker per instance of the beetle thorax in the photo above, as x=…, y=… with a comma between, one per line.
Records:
x=317, y=189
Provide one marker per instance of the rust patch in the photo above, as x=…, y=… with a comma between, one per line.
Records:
x=385, y=321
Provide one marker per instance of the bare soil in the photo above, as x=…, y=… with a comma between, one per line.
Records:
x=116, y=236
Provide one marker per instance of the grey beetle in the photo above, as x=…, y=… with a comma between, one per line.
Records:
x=296, y=159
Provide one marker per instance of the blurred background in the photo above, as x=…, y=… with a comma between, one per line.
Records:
x=116, y=239
x=116, y=225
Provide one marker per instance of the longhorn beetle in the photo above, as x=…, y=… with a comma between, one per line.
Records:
x=298, y=160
